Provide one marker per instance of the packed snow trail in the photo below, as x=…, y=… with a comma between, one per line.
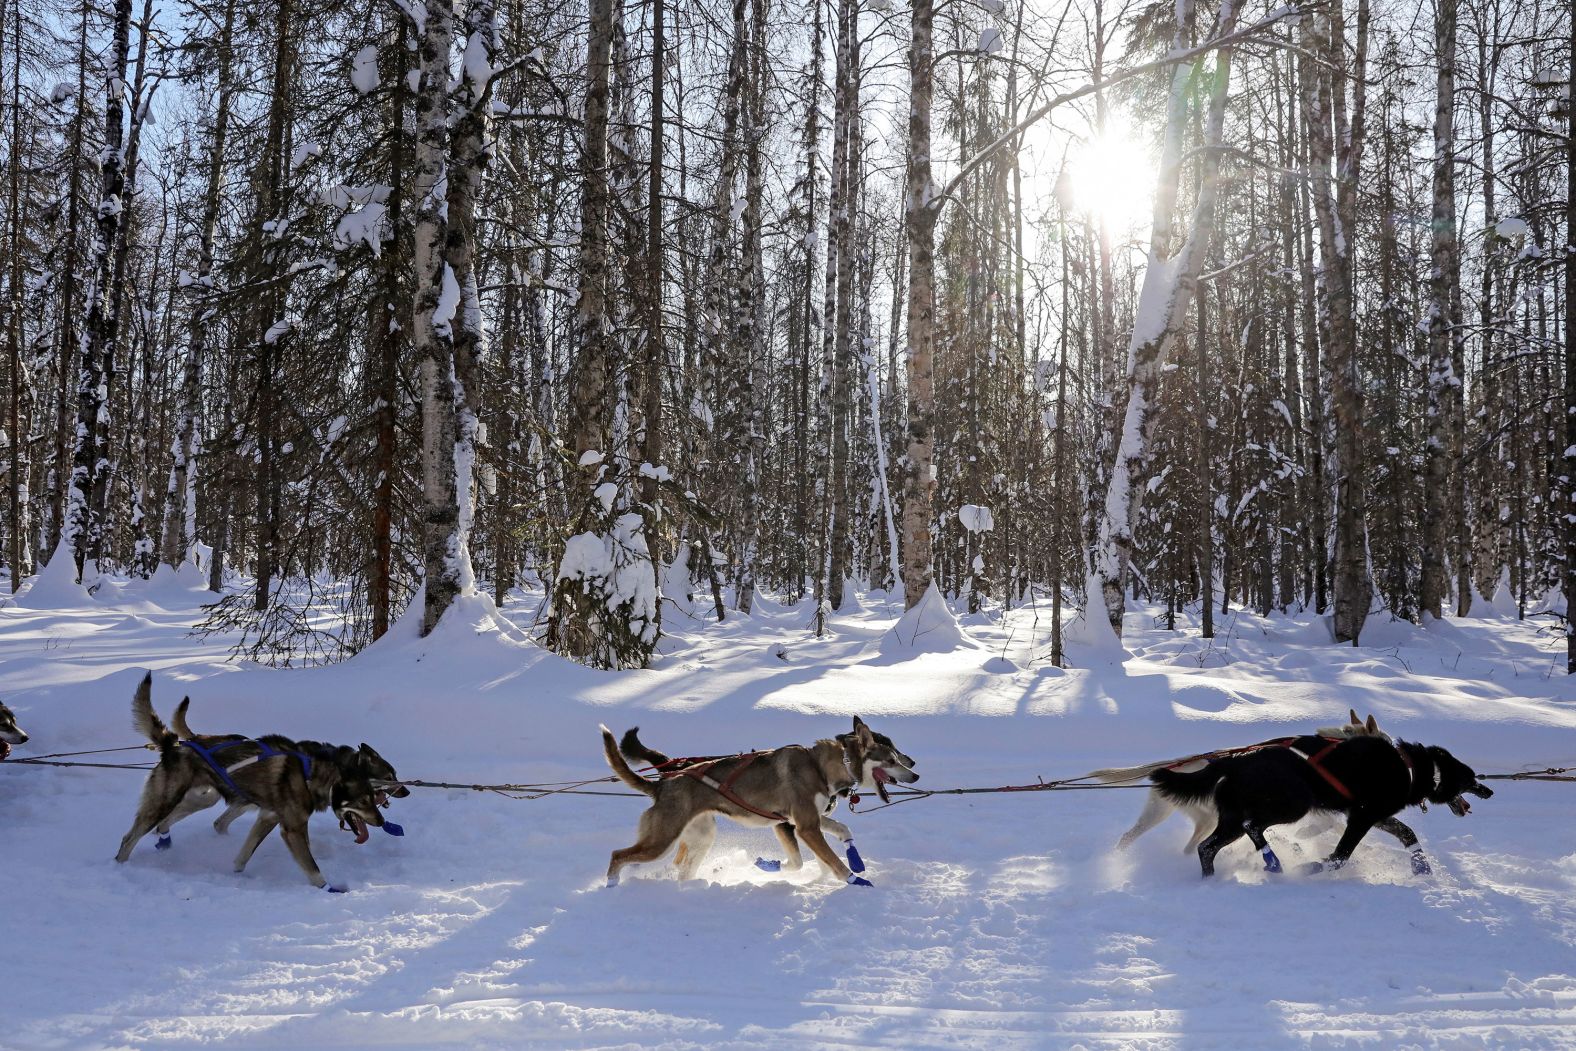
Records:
x=1002, y=921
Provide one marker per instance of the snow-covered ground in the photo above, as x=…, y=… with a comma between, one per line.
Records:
x=997, y=921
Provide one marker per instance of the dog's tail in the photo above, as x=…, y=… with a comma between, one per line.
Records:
x=1117, y=774
x=145, y=720
x=615, y=759
x=632, y=747
x=1196, y=786
x=178, y=720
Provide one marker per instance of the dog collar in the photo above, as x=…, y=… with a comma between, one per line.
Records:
x=1411, y=772
x=851, y=791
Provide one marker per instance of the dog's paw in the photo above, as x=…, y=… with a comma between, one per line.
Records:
x=1271, y=862
x=858, y=881
x=334, y=888
x=855, y=862
x=768, y=864
x=1310, y=868
x=392, y=829
x=1420, y=865
x=163, y=843
x=612, y=881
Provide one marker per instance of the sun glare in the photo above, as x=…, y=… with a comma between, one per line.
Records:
x=1113, y=177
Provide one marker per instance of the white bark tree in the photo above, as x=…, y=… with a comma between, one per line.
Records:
x=1170, y=280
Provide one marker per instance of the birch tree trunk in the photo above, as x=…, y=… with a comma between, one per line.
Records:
x=655, y=349
x=180, y=505
x=919, y=212
x=1333, y=187
x=437, y=301
x=752, y=311
x=1570, y=355
x=839, y=317
x=83, y=529
x=16, y=485
x=1443, y=324
x=470, y=153
x=1169, y=283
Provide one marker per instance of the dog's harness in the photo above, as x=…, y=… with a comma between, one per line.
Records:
x=702, y=773
x=1345, y=793
x=1315, y=761
x=264, y=751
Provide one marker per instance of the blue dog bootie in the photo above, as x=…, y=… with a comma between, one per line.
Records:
x=855, y=862
x=163, y=843
x=769, y=864
x=1420, y=865
x=392, y=829
x=858, y=881
x=1271, y=862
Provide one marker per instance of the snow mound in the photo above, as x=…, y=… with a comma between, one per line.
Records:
x=1090, y=633
x=55, y=586
x=930, y=627
x=175, y=589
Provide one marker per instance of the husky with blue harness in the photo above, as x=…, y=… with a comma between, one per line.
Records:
x=288, y=781
x=199, y=799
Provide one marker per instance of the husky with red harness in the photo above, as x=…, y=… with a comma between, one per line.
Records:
x=1157, y=807
x=1368, y=779
x=791, y=789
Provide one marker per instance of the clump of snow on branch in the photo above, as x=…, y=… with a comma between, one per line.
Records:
x=976, y=519
x=364, y=70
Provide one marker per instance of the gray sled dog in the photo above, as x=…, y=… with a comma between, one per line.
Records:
x=792, y=789
x=10, y=732
x=288, y=780
x=204, y=796
x=1158, y=807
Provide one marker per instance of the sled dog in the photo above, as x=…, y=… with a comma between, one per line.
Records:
x=10, y=732
x=287, y=780
x=1158, y=807
x=1368, y=779
x=792, y=789
x=206, y=795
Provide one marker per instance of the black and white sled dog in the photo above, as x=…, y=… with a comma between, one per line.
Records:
x=287, y=780
x=793, y=789
x=1158, y=806
x=1368, y=779
x=10, y=732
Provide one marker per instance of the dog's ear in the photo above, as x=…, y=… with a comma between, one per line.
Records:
x=1372, y=725
x=863, y=732
x=1355, y=721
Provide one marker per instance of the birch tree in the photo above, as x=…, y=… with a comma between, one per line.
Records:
x=1443, y=324
x=1170, y=279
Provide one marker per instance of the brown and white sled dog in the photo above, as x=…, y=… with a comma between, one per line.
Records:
x=10, y=732
x=792, y=789
x=287, y=780
x=1158, y=807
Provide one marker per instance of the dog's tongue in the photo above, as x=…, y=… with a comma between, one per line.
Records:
x=359, y=827
x=1460, y=807
x=881, y=780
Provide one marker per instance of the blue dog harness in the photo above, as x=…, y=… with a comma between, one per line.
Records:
x=265, y=751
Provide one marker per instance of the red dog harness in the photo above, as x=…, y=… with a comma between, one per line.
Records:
x=1314, y=761
x=724, y=788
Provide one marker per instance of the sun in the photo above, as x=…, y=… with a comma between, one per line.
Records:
x=1113, y=177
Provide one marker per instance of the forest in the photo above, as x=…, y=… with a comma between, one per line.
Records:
x=362, y=306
